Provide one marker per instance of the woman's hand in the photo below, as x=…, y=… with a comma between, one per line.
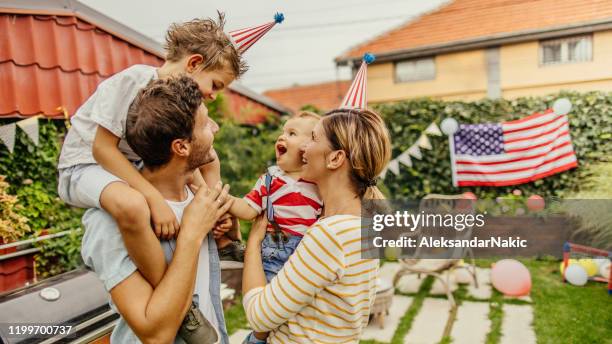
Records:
x=258, y=230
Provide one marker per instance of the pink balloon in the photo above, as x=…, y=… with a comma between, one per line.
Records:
x=511, y=278
x=469, y=195
x=535, y=203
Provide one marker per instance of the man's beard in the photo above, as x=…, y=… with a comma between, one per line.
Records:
x=199, y=158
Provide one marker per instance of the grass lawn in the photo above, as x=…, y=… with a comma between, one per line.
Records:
x=562, y=313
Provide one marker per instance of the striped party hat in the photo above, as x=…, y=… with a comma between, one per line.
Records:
x=243, y=39
x=356, y=98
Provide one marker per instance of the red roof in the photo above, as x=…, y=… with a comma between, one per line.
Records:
x=52, y=58
x=465, y=20
x=324, y=96
x=48, y=62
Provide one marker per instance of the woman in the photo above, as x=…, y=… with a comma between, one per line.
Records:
x=324, y=292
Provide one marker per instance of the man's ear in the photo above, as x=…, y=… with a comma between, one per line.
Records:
x=335, y=159
x=181, y=148
x=194, y=62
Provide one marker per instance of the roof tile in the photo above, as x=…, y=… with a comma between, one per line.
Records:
x=472, y=19
x=324, y=96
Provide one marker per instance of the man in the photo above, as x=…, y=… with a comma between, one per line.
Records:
x=169, y=128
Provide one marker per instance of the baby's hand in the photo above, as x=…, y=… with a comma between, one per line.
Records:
x=163, y=218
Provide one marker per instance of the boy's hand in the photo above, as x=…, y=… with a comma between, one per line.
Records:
x=207, y=206
x=164, y=220
x=224, y=226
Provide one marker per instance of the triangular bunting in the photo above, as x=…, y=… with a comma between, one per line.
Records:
x=7, y=135
x=404, y=158
x=415, y=151
x=383, y=174
x=394, y=167
x=433, y=129
x=423, y=142
x=30, y=127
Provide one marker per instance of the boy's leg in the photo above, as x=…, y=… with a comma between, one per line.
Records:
x=130, y=209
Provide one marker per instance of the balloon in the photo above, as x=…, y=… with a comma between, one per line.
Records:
x=589, y=266
x=562, y=106
x=511, y=278
x=570, y=262
x=576, y=275
x=449, y=126
x=469, y=195
x=604, y=269
x=535, y=203
x=600, y=261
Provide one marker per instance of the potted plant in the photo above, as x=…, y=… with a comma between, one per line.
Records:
x=16, y=269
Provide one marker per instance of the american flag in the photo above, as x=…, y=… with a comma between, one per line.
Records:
x=514, y=152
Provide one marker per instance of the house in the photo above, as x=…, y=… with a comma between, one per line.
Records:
x=323, y=96
x=470, y=49
x=53, y=54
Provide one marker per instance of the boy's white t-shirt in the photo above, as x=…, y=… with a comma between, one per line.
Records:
x=107, y=107
x=202, y=286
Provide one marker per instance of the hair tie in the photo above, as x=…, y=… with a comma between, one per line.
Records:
x=372, y=182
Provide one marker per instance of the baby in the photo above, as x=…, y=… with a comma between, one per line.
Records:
x=291, y=203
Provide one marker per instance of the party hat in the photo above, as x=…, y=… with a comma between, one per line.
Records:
x=356, y=98
x=243, y=39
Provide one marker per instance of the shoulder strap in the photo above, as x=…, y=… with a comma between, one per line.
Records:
x=269, y=208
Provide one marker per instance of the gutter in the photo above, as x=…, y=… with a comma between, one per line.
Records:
x=483, y=42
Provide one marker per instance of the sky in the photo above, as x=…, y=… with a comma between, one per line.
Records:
x=301, y=50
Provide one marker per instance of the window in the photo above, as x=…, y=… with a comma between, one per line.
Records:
x=572, y=49
x=415, y=70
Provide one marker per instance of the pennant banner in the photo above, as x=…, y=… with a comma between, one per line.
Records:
x=405, y=158
x=415, y=151
x=433, y=129
x=30, y=127
x=423, y=142
x=7, y=135
x=394, y=167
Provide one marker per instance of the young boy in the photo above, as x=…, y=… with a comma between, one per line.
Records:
x=291, y=203
x=97, y=168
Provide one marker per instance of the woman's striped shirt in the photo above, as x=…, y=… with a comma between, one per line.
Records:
x=324, y=292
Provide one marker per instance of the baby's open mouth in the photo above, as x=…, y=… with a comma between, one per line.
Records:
x=280, y=149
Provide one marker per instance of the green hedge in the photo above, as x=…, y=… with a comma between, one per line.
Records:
x=590, y=128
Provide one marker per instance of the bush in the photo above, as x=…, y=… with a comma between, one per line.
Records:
x=13, y=225
x=590, y=123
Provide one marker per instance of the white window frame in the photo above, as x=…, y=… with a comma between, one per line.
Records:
x=417, y=77
x=565, y=55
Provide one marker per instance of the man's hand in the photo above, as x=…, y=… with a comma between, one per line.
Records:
x=207, y=206
x=163, y=218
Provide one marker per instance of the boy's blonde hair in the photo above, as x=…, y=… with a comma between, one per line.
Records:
x=207, y=38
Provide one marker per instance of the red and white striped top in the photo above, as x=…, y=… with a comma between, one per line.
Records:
x=297, y=203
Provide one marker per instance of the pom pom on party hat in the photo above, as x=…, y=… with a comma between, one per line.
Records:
x=356, y=98
x=243, y=39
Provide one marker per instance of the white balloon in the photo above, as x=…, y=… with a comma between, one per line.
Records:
x=576, y=275
x=600, y=261
x=604, y=269
x=449, y=126
x=562, y=106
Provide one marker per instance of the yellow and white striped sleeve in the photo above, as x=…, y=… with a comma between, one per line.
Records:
x=316, y=263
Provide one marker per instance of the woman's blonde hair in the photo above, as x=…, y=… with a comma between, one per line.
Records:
x=363, y=136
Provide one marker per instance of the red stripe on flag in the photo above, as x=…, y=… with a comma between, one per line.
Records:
x=526, y=157
x=519, y=169
x=566, y=132
x=520, y=180
x=530, y=117
x=510, y=131
x=538, y=134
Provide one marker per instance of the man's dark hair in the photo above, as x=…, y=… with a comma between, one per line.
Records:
x=163, y=111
